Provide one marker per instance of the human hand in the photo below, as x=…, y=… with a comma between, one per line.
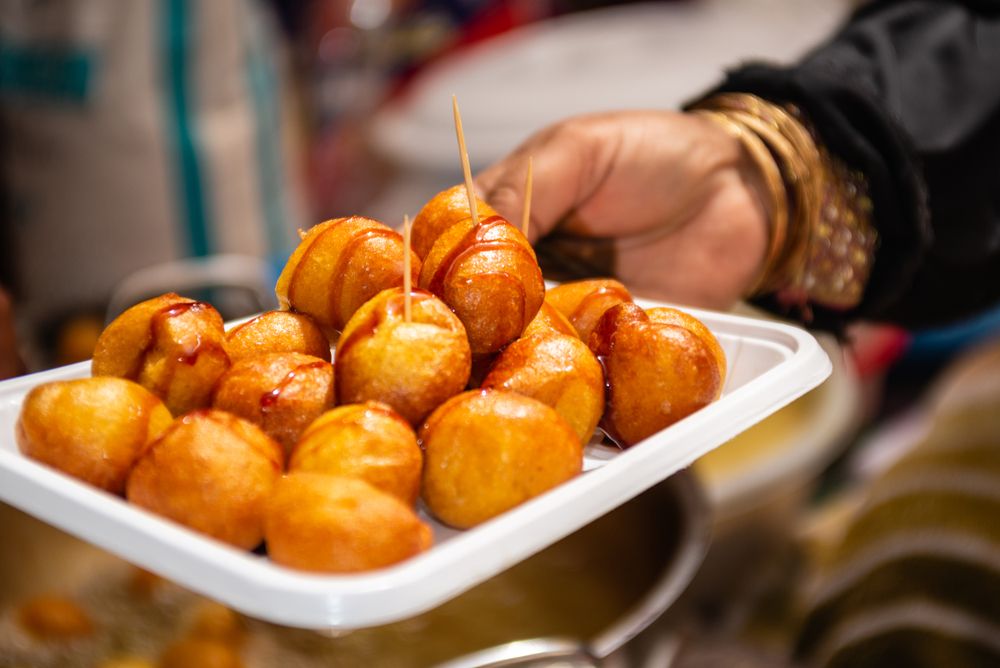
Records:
x=674, y=193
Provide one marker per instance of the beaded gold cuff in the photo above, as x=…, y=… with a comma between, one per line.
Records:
x=822, y=242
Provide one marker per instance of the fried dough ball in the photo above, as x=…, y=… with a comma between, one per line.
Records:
x=338, y=266
x=126, y=661
x=277, y=332
x=212, y=472
x=213, y=621
x=91, y=428
x=52, y=617
x=656, y=373
x=334, y=524
x=369, y=441
x=279, y=392
x=200, y=653
x=487, y=451
x=584, y=302
x=441, y=212
x=489, y=276
x=145, y=585
x=558, y=370
x=664, y=315
x=411, y=366
x=77, y=338
x=549, y=319
x=171, y=345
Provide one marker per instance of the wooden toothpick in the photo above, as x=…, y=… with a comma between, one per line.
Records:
x=463, y=155
x=526, y=216
x=407, y=280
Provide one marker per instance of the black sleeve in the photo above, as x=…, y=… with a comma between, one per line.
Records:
x=909, y=94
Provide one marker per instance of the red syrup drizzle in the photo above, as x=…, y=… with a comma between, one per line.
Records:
x=601, y=294
x=350, y=248
x=157, y=321
x=269, y=399
x=251, y=321
x=475, y=241
x=386, y=411
x=392, y=309
x=293, y=282
x=355, y=418
x=604, y=425
x=187, y=357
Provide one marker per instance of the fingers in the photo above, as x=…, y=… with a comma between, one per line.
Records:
x=557, y=167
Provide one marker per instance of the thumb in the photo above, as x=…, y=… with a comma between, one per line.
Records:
x=557, y=167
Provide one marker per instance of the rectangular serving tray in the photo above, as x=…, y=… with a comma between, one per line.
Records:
x=770, y=364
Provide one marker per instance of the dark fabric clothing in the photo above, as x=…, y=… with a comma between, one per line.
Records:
x=909, y=93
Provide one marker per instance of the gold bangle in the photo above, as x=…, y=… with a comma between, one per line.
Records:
x=827, y=251
x=784, y=121
x=802, y=185
x=804, y=158
x=777, y=205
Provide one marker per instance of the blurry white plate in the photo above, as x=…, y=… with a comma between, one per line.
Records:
x=646, y=55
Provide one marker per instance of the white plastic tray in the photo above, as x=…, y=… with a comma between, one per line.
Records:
x=770, y=364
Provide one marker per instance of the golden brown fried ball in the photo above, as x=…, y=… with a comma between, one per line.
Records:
x=277, y=332
x=213, y=621
x=334, y=524
x=145, y=585
x=664, y=315
x=171, y=345
x=411, y=366
x=584, y=302
x=549, y=319
x=369, y=441
x=53, y=617
x=487, y=451
x=489, y=276
x=279, y=392
x=212, y=472
x=77, y=338
x=441, y=212
x=558, y=370
x=91, y=428
x=338, y=266
x=126, y=661
x=656, y=373
x=200, y=653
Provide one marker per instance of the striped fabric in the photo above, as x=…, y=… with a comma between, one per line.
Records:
x=141, y=133
x=916, y=579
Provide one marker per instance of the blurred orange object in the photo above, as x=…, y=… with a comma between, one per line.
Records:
x=77, y=338
x=51, y=617
x=198, y=653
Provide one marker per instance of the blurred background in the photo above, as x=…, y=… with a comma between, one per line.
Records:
x=135, y=139
x=180, y=144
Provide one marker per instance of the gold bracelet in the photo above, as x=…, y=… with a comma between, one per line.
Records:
x=802, y=187
x=842, y=254
x=802, y=167
x=826, y=253
x=777, y=204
